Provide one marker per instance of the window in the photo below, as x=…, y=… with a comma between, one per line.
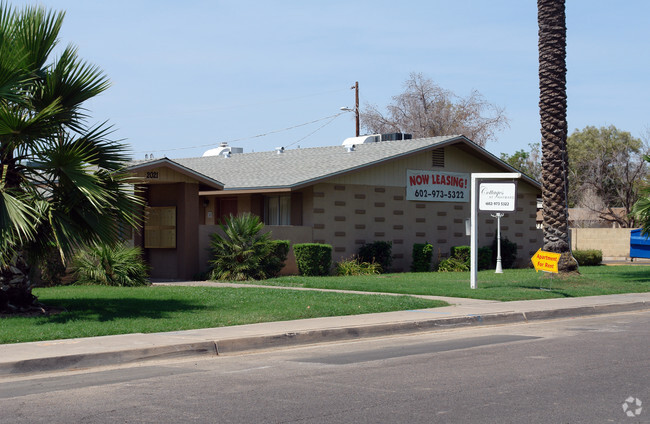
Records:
x=277, y=210
x=160, y=228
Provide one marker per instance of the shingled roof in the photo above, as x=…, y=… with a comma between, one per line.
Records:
x=296, y=168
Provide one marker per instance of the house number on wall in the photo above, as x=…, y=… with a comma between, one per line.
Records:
x=152, y=174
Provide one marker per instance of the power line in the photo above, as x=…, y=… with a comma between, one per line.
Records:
x=331, y=118
x=313, y=132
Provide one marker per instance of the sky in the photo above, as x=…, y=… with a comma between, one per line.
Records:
x=188, y=75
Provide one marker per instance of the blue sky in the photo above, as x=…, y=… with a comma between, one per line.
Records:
x=187, y=75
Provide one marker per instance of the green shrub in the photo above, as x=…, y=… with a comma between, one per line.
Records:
x=51, y=269
x=107, y=265
x=242, y=251
x=452, y=265
x=589, y=257
x=379, y=252
x=462, y=253
x=484, y=257
x=313, y=258
x=354, y=266
x=274, y=262
x=508, y=253
x=422, y=253
x=460, y=259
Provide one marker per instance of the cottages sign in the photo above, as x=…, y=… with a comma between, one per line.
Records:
x=433, y=186
x=497, y=197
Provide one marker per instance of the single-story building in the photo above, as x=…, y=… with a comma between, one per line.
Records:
x=403, y=191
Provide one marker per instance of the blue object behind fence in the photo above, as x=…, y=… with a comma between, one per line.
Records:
x=639, y=245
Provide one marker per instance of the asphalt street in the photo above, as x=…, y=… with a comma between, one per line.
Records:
x=578, y=370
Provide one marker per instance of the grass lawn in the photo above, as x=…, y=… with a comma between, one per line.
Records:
x=99, y=310
x=513, y=284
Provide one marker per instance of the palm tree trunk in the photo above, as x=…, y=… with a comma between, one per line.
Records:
x=552, y=106
x=15, y=287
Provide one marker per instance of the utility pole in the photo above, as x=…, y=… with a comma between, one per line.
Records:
x=355, y=87
x=356, y=104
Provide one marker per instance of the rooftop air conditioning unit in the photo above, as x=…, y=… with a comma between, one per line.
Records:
x=364, y=139
x=222, y=149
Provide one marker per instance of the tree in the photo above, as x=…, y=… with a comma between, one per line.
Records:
x=62, y=181
x=527, y=162
x=606, y=170
x=551, y=20
x=425, y=109
x=641, y=208
x=240, y=253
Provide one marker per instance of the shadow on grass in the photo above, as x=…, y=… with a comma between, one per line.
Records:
x=110, y=309
x=641, y=276
x=547, y=290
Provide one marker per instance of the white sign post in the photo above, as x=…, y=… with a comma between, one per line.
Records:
x=504, y=197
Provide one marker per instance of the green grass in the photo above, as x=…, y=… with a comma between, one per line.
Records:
x=99, y=310
x=513, y=284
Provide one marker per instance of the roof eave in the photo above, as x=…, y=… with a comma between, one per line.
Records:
x=166, y=162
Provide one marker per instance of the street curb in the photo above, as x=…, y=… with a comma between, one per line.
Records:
x=98, y=359
x=289, y=339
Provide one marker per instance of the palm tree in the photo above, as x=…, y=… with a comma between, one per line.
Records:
x=242, y=251
x=552, y=106
x=61, y=180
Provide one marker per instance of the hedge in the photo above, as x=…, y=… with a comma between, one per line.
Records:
x=313, y=258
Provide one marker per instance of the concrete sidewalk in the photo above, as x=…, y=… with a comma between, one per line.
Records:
x=71, y=354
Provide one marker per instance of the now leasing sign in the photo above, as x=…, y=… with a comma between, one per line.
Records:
x=432, y=186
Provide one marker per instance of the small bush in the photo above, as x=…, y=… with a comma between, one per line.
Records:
x=452, y=265
x=484, y=257
x=313, y=258
x=590, y=257
x=354, y=266
x=422, y=253
x=508, y=253
x=462, y=253
x=379, y=252
x=240, y=253
x=53, y=271
x=460, y=259
x=110, y=266
x=274, y=262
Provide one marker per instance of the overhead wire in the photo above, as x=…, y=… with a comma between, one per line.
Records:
x=234, y=140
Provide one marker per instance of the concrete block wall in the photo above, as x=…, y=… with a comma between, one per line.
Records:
x=613, y=242
x=348, y=216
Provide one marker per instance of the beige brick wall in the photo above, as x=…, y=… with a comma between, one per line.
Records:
x=348, y=216
x=613, y=242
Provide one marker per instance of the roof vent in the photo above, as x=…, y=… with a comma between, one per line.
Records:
x=350, y=148
x=438, y=158
x=279, y=150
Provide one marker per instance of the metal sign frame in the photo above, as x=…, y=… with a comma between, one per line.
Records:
x=473, y=224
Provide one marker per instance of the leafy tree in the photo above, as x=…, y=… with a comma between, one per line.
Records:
x=605, y=172
x=241, y=252
x=425, y=109
x=527, y=162
x=641, y=208
x=61, y=180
